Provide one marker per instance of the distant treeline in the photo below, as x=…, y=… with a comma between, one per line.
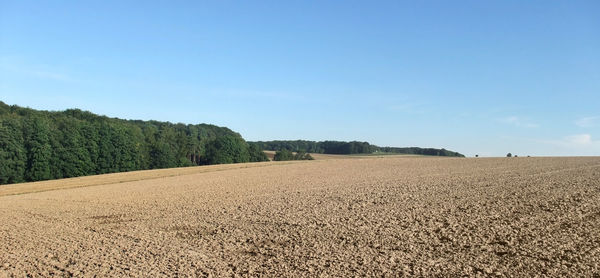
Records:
x=341, y=147
x=41, y=145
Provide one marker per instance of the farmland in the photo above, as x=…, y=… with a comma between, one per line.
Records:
x=366, y=216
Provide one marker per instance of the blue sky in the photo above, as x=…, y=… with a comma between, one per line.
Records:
x=478, y=77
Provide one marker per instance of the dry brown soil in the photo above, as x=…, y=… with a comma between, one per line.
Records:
x=391, y=216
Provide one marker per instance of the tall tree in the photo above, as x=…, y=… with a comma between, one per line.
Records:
x=38, y=150
x=73, y=154
x=227, y=149
x=13, y=157
x=257, y=154
x=106, y=162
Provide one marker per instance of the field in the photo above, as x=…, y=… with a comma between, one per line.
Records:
x=369, y=216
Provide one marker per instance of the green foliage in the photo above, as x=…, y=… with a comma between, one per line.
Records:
x=39, y=151
x=72, y=156
x=257, y=154
x=39, y=145
x=303, y=156
x=227, y=149
x=283, y=155
x=12, y=152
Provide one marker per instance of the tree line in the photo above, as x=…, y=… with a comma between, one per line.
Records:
x=40, y=145
x=284, y=155
x=342, y=147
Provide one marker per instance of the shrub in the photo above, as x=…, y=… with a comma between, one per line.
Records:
x=303, y=156
x=284, y=155
x=257, y=154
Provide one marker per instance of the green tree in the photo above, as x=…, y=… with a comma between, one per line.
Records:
x=39, y=151
x=257, y=154
x=12, y=152
x=227, y=149
x=163, y=153
x=283, y=155
x=71, y=154
x=106, y=151
x=90, y=139
x=39, y=145
x=128, y=140
x=302, y=155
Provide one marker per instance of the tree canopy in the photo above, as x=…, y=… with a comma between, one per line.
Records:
x=40, y=145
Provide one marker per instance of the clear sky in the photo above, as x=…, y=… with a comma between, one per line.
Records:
x=478, y=77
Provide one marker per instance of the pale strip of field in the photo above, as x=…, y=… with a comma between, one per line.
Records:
x=32, y=187
x=40, y=186
x=322, y=156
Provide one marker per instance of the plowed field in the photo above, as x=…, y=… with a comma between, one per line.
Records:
x=390, y=216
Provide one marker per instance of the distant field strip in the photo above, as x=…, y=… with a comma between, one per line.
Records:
x=41, y=186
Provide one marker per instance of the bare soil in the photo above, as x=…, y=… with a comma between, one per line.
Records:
x=390, y=216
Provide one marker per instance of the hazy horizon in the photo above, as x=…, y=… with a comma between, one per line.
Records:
x=483, y=78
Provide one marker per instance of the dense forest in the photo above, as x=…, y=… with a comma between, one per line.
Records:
x=41, y=145
x=341, y=147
